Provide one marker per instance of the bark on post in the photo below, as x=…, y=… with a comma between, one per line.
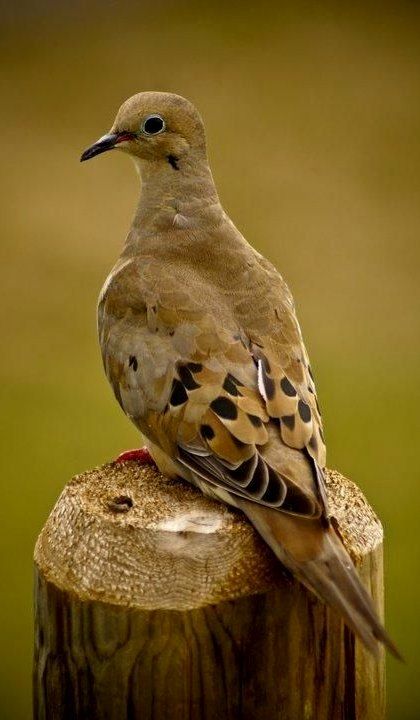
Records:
x=155, y=603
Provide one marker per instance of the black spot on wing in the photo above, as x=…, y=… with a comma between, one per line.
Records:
x=266, y=364
x=207, y=432
x=287, y=387
x=289, y=421
x=235, y=380
x=304, y=411
x=178, y=394
x=195, y=367
x=255, y=420
x=224, y=408
x=187, y=378
x=230, y=386
x=269, y=386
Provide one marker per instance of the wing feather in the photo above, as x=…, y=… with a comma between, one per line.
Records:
x=208, y=392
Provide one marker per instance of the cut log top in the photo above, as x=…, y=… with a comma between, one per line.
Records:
x=126, y=535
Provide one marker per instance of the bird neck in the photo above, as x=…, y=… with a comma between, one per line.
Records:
x=175, y=194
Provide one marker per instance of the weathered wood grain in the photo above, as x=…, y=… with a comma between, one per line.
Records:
x=155, y=603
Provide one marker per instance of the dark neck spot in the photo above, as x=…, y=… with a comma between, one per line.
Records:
x=132, y=362
x=173, y=161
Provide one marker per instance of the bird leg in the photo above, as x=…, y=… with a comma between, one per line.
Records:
x=140, y=455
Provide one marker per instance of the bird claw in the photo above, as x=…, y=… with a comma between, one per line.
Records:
x=140, y=455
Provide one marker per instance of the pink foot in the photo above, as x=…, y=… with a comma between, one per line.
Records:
x=141, y=456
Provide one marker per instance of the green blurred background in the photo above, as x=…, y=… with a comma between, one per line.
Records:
x=312, y=114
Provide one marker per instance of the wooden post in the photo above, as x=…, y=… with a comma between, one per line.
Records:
x=153, y=602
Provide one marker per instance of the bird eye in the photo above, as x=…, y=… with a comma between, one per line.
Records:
x=153, y=125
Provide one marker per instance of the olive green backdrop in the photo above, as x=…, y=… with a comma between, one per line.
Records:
x=312, y=114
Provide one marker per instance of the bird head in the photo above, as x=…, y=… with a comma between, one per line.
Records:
x=154, y=126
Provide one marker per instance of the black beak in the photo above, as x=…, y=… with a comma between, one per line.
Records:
x=107, y=142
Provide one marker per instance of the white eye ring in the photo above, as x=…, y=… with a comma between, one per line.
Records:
x=153, y=125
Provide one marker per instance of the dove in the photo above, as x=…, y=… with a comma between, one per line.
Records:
x=202, y=347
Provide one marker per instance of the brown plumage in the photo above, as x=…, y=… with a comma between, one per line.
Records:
x=201, y=344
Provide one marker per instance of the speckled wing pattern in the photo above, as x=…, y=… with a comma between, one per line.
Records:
x=222, y=388
x=237, y=408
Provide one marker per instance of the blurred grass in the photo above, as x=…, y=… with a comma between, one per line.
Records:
x=312, y=112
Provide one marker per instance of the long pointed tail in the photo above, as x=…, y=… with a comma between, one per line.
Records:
x=317, y=557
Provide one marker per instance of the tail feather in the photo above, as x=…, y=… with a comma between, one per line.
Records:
x=316, y=556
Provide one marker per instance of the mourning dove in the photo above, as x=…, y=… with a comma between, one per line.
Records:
x=202, y=347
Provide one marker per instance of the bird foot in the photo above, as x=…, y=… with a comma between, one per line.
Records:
x=140, y=455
